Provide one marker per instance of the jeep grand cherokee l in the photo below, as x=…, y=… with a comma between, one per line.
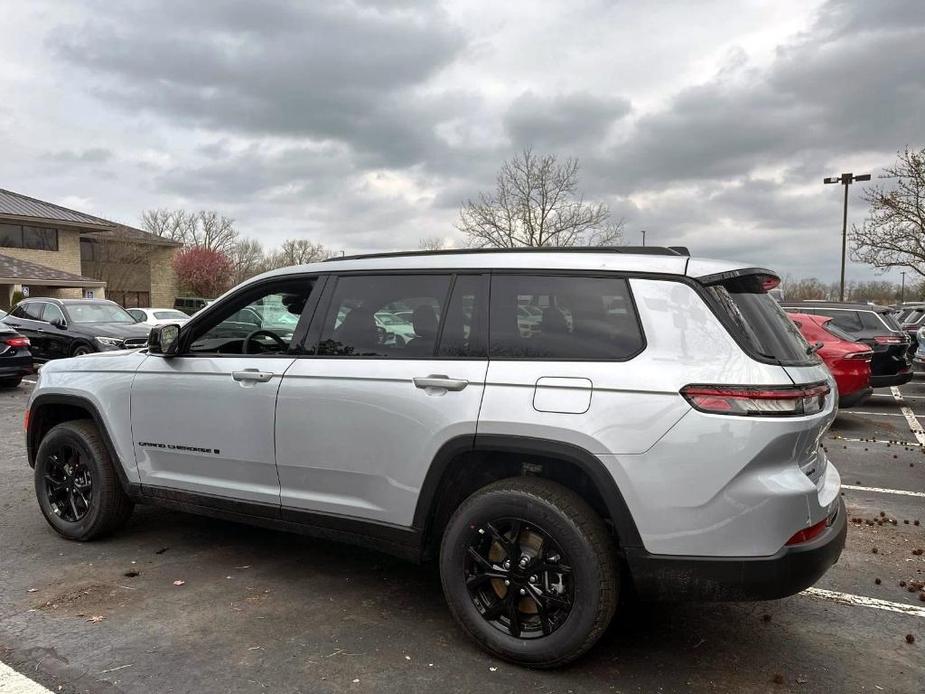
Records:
x=657, y=426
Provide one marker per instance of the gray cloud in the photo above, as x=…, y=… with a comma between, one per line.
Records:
x=562, y=121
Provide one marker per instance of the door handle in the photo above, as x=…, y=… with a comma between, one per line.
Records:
x=252, y=375
x=440, y=381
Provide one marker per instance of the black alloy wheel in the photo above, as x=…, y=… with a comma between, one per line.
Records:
x=518, y=578
x=68, y=484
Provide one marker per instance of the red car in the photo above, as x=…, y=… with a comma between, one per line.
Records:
x=849, y=361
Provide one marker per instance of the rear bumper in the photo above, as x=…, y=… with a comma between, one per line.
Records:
x=891, y=380
x=670, y=578
x=855, y=398
x=16, y=366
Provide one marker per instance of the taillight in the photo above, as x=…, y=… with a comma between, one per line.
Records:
x=769, y=282
x=889, y=340
x=766, y=401
x=866, y=355
x=18, y=341
x=807, y=534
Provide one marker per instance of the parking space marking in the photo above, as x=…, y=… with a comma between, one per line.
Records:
x=26, y=380
x=880, y=490
x=864, y=601
x=910, y=417
x=11, y=682
x=876, y=414
x=907, y=444
x=904, y=397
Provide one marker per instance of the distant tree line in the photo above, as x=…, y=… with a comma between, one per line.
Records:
x=215, y=256
x=876, y=291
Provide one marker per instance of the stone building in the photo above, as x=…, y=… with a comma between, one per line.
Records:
x=50, y=250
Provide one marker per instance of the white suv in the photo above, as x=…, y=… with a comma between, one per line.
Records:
x=650, y=424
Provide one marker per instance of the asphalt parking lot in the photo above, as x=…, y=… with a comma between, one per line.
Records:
x=259, y=610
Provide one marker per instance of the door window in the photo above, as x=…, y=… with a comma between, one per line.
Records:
x=562, y=317
x=463, y=328
x=384, y=316
x=30, y=311
x=52, y=314
x=257, y=322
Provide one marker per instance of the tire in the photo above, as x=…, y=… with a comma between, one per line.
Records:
x=78, y=512
x=81, y=349
x=10, y=382
x=574, y=539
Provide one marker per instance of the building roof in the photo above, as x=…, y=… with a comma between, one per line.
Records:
x=21, y=207
x=16, y=271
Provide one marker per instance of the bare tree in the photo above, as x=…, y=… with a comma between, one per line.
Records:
x=536, y=203
x=298, y=252
x=169, y=224
x=433, y=243
x=213, y=231
x=204, y=229
x=247, y=259
x=893, y=235
x=117, y=259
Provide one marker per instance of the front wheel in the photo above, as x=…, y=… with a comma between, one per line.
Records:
x=76, y=483
x=529, y=571
x=81, y=350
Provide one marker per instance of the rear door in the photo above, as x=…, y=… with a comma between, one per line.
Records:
x=360, y=420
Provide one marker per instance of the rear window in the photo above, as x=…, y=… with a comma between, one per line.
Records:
x=830, y=327
x=562, y=317
x=760, y=321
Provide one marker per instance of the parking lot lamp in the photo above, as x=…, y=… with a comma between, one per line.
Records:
x=643, y=232
x=846, y=179
x=902, y=287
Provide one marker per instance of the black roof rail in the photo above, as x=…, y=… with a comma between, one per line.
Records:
x=637, y=250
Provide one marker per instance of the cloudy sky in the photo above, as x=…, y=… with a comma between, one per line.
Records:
x=364, y=124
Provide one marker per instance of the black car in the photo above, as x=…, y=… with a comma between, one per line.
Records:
x=70, y=327
x=15, y=357
x=876, y=327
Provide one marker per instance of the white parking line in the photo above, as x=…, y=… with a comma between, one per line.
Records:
x=26, y=380
x=863, y=601
x=880, y=490
x=875, y=414
x=904, y=397
x=907, y=444
x=914, y=425
x=11, y=682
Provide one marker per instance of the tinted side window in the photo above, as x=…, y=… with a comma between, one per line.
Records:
x=462, y=328
x=537, y=317
x=847, y=320
x=32, y=311
x=870, y=320
x=384, y=316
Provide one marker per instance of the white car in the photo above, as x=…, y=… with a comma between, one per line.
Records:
x=658, y=432
x=158, y=316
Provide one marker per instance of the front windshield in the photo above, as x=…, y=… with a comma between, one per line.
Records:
x=98, y=313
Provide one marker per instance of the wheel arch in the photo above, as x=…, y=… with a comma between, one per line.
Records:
x=51, y=409
x=466, y=463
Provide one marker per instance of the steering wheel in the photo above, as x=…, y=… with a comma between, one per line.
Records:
x=266, y=333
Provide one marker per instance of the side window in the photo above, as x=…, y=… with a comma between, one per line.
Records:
x=562, y=317
x=463, y=330
x=32, y=311
x=19, y=312
x=871, y=321
x=847, y=320
x=52, y=313
x=255, y=323
x=384, y=316
x=136, y=314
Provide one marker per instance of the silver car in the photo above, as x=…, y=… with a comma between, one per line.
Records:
x=559, y=425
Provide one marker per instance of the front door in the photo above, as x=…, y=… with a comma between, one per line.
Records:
x=359, y=423
x=203, y=420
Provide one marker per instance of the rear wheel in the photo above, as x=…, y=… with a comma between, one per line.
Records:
x=76, y=483
x=529, y=571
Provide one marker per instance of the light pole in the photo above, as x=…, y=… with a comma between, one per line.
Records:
x=643, y=232
x=846, y=179
x=902, y=287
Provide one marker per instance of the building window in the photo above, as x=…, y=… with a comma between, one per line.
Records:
x=89, y=251
x=31, y=237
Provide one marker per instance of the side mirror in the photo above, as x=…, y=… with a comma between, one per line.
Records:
x=163, y=339
x=60, y=324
